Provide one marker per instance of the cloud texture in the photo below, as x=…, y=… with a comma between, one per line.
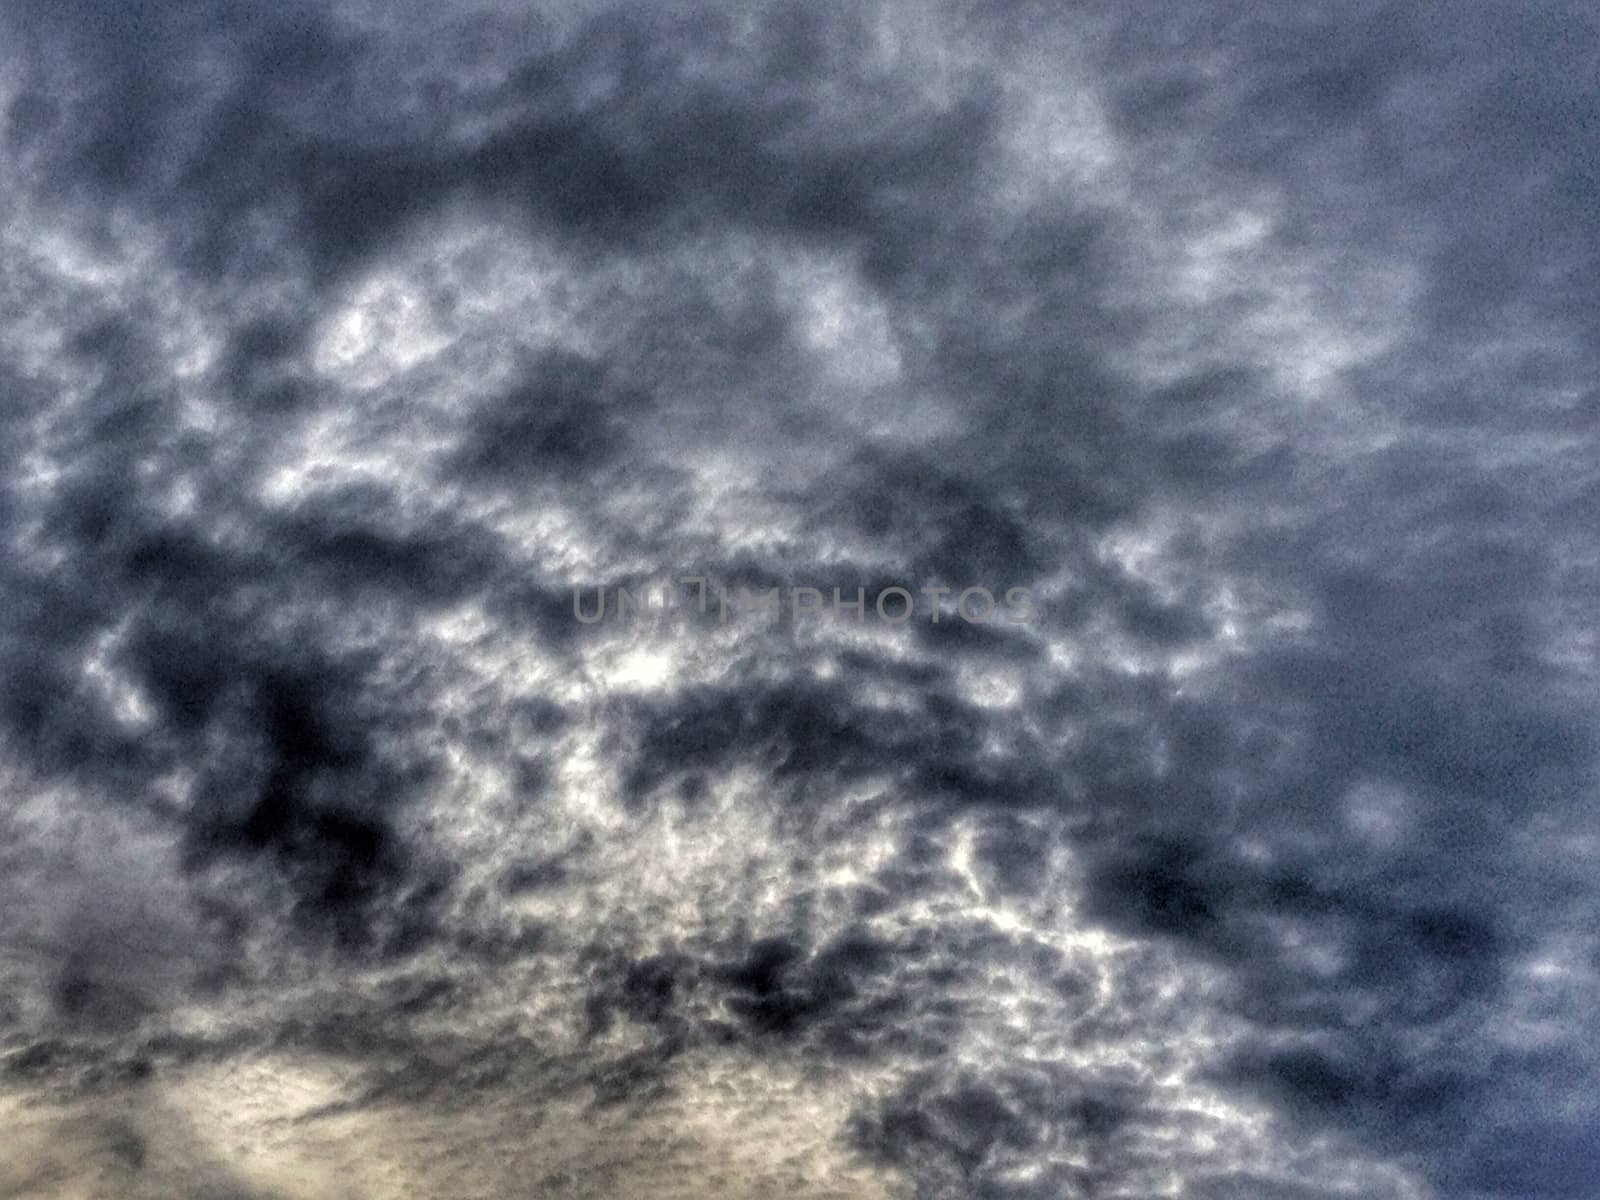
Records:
x=340, y=342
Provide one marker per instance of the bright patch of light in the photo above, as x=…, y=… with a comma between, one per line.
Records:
x=384, y=328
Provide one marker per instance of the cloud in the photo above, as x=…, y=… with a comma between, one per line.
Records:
x=342, y=343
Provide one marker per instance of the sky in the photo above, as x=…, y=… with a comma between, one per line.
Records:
x=351, y=352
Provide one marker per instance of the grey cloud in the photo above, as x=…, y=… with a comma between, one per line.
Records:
x=341, y=344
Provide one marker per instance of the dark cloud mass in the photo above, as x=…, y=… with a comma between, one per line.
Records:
x=340, y=342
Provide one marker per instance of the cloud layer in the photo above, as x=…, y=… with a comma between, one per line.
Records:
x=340, y=343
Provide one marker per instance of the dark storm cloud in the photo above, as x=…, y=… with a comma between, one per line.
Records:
x=661, y=144
x=564, y=417
x=1254, y=340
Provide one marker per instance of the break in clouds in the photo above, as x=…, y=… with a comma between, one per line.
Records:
x=1254, y=342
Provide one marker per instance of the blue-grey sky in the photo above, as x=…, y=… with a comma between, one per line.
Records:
x=340, y=342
